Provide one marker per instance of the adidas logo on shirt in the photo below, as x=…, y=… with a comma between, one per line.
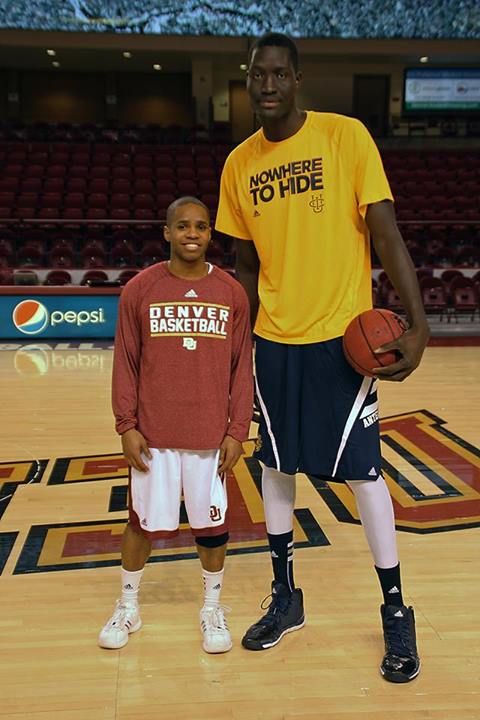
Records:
x=191, y=293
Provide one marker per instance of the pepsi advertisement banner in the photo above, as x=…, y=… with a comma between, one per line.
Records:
x=58, y=316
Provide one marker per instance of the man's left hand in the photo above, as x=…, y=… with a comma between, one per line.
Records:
x=410, y=346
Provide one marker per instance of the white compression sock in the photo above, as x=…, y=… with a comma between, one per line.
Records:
x=376, y=513
x=278, y=490
x=131, y=584
x=212, y=586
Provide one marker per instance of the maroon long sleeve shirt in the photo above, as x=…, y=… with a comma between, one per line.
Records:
x=182, y=367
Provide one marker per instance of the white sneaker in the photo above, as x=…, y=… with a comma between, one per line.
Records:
x=125, y=620
x=216, y=635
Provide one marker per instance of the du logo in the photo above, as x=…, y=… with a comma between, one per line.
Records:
x=189, y=343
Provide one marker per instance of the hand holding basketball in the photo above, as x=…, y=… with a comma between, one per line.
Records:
x=370, y=342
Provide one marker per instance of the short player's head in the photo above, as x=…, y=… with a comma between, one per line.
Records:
x=273, y=76
x=188, y=229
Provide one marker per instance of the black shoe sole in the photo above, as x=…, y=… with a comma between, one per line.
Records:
x=397, y=677
x=258, y=645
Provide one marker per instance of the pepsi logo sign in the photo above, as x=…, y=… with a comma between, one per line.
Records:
x=30, y=317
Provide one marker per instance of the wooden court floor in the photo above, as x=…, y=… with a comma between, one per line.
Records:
x=62, y=511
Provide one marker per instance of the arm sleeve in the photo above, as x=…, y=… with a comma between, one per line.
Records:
x=229, y=213
x=241, y=379
x=126, y=363
x=371, y=184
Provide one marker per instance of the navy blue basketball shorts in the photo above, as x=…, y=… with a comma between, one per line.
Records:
x=317, y=414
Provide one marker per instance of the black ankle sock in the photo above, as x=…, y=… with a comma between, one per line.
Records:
x=391, y=585
x=281, y=552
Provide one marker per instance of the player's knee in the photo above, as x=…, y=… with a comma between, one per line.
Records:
x=212, y=541
x=135, y=532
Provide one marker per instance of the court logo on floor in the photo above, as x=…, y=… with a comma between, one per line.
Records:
x=433, y=476
x=103, y=481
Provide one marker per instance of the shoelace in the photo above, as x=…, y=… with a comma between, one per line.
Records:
x=121, y=613
x=397, y=631
x=216, y=616
x=277, y=604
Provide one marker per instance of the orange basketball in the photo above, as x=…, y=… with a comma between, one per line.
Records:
x=367, y=332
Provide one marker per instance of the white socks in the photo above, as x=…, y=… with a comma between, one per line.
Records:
x=130, y=585
x=212, y=585
x=278, y=490
x=375, y=508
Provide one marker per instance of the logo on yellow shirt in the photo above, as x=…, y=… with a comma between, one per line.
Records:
x=316, y=203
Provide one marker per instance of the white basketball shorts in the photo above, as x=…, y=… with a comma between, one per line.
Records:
x=155, y=496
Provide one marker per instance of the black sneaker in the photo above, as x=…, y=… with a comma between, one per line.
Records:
x=401, y=662
x=284, y=614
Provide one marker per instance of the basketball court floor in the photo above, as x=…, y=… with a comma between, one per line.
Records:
x=62, y=511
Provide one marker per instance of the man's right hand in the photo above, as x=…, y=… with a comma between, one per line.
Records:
x=133, y=446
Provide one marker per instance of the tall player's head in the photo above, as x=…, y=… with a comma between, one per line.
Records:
x=188, y=229
x=273, y=76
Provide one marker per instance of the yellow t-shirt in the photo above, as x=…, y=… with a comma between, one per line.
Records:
x=303, y=202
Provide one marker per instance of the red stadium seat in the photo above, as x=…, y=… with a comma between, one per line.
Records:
x=53, y=185
x=122, y=255
x=6, y=276
x=143, y=186
x=100, y=172
x=34, y=171
x=30, y=256
x=97, y=213
x=121, y=185
x=9, y=184
x=120, y=213
x=58, y=277
x=126, y=275
x=187, y=187
x=94, y=276
x=61, y=259
x=120, y=200
x=56, y=171
x=99, y=185
x=434, y=295
x=465, y=301
x=166, y=186
x=76, y=185
x=143, y=201
x=74, y=199
x=144, y=214
x=72, y=214
x=31, y=185
x=48, y=213
x=97, y=200
x=151, y=253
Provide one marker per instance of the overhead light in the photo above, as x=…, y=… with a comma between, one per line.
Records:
x=52, y=53
x=424, y=58
x=157, y=66
x=127, y=54
x=243, y=66
x=55, y=63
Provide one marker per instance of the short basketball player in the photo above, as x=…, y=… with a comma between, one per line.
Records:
x=303, y=195
x=182, y=393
